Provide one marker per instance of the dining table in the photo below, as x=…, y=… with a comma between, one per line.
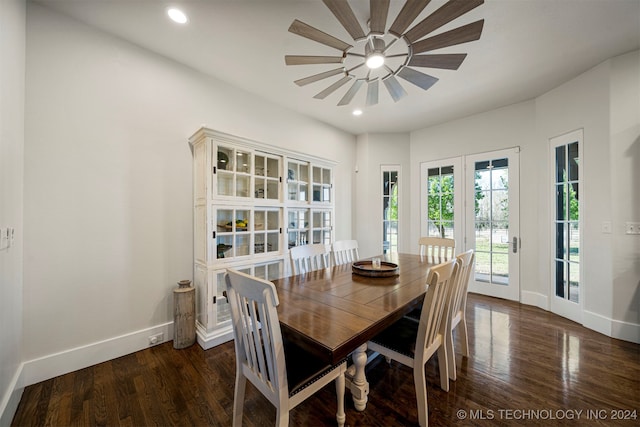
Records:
x=334, y=312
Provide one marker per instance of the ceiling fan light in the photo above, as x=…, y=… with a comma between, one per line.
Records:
x=375, y=60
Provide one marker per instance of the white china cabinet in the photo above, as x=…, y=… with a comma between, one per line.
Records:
x=252, y=203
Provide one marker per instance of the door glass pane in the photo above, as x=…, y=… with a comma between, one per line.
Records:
x=492, y=221
x=440, y=193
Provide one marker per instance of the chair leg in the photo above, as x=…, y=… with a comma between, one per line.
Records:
x=465, y=337
x=340, y=416
x=451, y=355
x=238, y=399
x=420, y=382
x=282, y=417
x=442, y=363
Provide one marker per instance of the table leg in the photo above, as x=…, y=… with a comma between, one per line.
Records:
x=359, y=384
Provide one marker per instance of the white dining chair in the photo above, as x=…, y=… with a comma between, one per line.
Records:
x=306, y=258
x=414, y=343
x=438, y=249
x=344, y=251
x=457, y=309
x=283, y=372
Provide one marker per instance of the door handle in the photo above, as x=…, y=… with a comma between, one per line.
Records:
x=514, y=244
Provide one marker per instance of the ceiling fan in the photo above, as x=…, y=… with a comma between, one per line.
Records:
x=384, y=54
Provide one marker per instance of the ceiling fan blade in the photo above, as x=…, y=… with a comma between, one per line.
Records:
x=407, y=15
x=372, y=92
x=396, y=91
x=306, y=60
x=307, y=31
x=422, y=80
x=328, y=91
x=456, y=36
x=450, y=61
x=344, y=14
x=379, y=11
x=447, y=13
x=316, y=77
x=346, y=99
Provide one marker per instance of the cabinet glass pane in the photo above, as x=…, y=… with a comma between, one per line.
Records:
x=259, y=220
x=303, y=195
x=224, y=246
x=292, y=191
x=273, y=168
x=225, y=220
x=243, y=163
x=273, y=220
x=225, y=159
x=225, y=183
x=272, y=189
x=260, y=166
x=317, y=174
x=242, y=245
x=273, y=242
x=292, y=171
x=242, y=220
x=259, y=246
x=259, y=190
x=326, y=176
x=223, y=311
x=317, y=193
x=304, y=173
x=242, y=186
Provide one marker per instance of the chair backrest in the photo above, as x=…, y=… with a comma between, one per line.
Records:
x=440, y=280
x=345, y=252
x=439, y=249
x=459, y=294
x=306, y=258
x=257, y=334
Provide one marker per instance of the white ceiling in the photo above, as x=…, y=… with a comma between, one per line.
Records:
x=527, y=47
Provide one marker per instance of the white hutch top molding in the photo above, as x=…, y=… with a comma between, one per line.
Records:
x=252, y=203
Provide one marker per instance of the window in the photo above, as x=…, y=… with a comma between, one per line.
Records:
x=390, y=215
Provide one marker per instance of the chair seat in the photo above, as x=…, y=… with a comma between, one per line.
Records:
x=399, y=337
x=303, y=369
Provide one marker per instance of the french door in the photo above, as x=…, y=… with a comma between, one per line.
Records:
x=492, y=222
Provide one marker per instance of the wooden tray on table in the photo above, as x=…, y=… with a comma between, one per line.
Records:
x=365, y=268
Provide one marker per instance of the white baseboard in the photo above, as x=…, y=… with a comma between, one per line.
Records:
x=12, y=397
x=209, y=340
x=596, y=322
x=535, y=299
x=625, y=331
x=53, y=365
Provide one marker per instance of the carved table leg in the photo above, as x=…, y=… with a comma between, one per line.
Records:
x=359, y=384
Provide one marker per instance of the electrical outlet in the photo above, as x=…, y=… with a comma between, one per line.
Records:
x=156, y=339
x=632, y=227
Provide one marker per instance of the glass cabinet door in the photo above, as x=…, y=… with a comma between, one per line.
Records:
x=297, y=181
x=267, y=230
x=267, y=177
x=233, y=170
x=321, y=184
x=233, y=234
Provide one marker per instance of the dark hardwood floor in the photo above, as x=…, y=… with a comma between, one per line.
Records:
x=527, y=367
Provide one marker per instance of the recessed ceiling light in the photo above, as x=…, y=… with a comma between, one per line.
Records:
x=357, y=112
x=177, y=15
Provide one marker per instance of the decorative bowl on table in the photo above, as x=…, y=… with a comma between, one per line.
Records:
x=366, y=268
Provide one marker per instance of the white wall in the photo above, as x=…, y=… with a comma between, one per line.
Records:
x=625, y=189
x=373, y=151
x=12, y=67
x=108, y=209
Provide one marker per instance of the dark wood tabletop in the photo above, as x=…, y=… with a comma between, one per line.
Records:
x=333, y=311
